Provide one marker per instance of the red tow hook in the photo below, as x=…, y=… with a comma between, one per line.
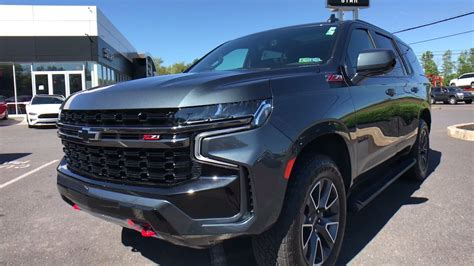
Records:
x=146, y=231
x=76, y=207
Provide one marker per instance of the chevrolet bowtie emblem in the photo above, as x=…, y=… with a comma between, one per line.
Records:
x=86, y=134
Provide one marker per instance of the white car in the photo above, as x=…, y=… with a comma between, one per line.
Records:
x=43, y=110
x=465, y=80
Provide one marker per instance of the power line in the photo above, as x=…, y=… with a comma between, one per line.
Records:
x=433, y=23
x=442, y=37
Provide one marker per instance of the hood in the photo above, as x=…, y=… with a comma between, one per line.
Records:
x=175, y=91
x=43, y=108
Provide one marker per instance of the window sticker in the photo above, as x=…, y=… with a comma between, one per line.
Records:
x=331, y=31
x=306, y=60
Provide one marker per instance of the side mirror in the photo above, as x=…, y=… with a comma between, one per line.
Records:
x=374, y=62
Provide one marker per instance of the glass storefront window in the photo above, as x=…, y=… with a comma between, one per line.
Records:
x=57, y=66
x=23, y=86
x=6, y=86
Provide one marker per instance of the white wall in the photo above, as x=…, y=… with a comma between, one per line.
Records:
x=29, y=20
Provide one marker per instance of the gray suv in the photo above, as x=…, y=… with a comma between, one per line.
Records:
x=274, y=135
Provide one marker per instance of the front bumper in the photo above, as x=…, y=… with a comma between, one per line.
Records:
x=171, y=212
x=35, y=121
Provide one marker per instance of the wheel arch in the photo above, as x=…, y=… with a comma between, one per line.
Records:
x=330, y=138
x=425, y=114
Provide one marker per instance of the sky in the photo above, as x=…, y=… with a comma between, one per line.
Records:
x=182, y=30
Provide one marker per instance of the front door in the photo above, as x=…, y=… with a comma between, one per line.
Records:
x=58, y=82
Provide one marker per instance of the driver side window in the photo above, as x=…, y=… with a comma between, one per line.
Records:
x=360, y=41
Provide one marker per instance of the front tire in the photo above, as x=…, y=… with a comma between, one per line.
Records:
x=313, y=219
x=420, y=152
x=433, y=101
x=452, y=100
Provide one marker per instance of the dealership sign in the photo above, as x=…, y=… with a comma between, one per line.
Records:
x=341, y=4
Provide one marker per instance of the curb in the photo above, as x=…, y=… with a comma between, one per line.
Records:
x=455, y=132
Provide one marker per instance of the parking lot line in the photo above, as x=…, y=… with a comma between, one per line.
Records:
x=27, y=174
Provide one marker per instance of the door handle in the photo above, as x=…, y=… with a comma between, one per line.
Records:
x=390, y=92
x=414, y=90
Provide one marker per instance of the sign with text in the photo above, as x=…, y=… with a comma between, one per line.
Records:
x=348, y=3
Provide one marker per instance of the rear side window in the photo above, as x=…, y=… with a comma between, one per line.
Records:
x=387, y=43
x=411, y=59
x=360, y=41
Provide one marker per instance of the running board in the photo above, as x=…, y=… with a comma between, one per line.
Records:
x=363, y=196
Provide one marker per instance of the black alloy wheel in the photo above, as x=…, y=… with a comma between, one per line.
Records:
x=423, y=149
x=320, y=222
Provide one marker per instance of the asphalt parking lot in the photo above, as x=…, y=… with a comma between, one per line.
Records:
x=410, y=223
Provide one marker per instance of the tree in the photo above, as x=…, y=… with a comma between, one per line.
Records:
x=448, y=65
x=447, y=68
x=464, y=65
x=175, y=68
x=429, y=64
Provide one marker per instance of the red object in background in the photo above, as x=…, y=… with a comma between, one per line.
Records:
x=3, y=110
x=436, y=81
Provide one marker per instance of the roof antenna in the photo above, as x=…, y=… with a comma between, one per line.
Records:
x=333, y=18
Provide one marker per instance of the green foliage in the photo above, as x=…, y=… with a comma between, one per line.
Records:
x=465, y=62
x=429, y=64
x=175, y=68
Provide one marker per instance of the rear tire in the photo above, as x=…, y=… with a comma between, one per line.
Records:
x=468, y=102
x=6, y=116
x=305, y=230
x=452, y=100
x=420, y=152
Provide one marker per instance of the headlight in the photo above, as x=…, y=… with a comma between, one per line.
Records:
x=258, y=111
x=460, y=94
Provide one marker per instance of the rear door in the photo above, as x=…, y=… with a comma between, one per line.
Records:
x=376, y=116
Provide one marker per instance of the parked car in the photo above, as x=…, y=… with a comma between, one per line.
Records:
x=43, y=110
x=451, y=95
x=465, y=80
x=20, y=105
x=274, y=135
x=3, y=108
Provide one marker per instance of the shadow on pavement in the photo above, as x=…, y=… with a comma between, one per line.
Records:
x=7, y=157
x=9, y=122
x=238, y=251
x=363, y=226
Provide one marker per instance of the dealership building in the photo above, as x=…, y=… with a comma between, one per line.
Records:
x=62, y=50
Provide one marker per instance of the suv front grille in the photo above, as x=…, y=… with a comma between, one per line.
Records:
x=145, y=117
x=135, y=166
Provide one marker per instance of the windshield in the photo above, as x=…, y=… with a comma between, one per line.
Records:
x=292, y=47
x=47, y=100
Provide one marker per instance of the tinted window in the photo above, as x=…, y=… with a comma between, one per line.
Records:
x=436, y=90
x=411, y=59
x=360, y=41
x=455, y=89
x=2, y=98
x=387, y=43
x=232, y=60
x=47, y=100
x=291, y=47
x=469, y=76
